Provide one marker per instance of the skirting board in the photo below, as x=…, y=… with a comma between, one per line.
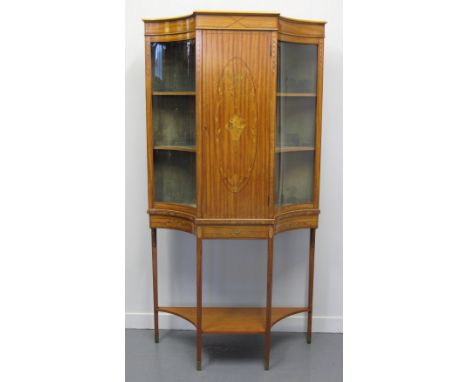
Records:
x=297, y=323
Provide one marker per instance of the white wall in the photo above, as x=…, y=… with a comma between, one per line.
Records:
x=235, y=271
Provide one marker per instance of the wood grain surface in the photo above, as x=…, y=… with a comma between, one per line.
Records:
x=233, y=320
x=236, y=124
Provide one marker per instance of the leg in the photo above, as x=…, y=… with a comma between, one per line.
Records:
x=199, y=301
x=154, y=253
x=266, y=360
x=311, y=284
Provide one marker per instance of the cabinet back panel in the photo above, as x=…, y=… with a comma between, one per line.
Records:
x=236, y=125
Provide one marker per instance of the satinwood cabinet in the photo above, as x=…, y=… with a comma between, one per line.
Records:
x=233, y=108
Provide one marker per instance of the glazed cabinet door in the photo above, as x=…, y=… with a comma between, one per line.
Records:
x=237, y=125
x=172, y=129
x=296, y=128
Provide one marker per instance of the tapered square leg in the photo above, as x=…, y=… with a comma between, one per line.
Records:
x=311, y=284
x=266, y=359
x=199, y=301
x=154, y=255
x=199, y=346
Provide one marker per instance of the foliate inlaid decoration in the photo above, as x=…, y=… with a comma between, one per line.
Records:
x=236, y=124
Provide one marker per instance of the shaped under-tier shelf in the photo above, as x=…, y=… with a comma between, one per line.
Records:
x=232, y=320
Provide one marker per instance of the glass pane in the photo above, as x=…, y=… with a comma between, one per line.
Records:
x=294, y=178
x=295, y=121
x=174, y=176
x=297, y=67
x=173, y=65
x=174, y=121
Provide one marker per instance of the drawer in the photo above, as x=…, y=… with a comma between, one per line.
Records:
x=296, y=222
x=235, y=232
x=172, y=222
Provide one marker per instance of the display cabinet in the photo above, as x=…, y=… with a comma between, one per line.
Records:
x=233, y=107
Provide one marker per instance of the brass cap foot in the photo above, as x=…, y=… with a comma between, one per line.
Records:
x=156, y=338
x=309, y=338
x=266, y=364
x=198, y=365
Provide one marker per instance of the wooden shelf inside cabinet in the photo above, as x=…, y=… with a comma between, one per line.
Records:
x=173, y=93
x=293, y=149
x=233, y=320
x=296, y=95
x=190, y=149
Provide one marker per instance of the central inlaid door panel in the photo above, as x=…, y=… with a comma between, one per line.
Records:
x=238, y=96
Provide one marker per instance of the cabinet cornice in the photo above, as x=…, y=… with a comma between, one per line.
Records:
x=234, y=21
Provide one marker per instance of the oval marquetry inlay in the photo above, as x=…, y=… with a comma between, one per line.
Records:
x=236, y=124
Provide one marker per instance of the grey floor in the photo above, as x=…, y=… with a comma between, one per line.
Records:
x=232, y=358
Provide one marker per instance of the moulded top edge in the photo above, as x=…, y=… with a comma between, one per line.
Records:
x=302, y=20
x=167, y=18
x=202, y=12
x=233, y=13
x=213, y=13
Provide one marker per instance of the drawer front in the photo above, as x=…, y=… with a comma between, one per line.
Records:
x=171, y=222
x=235, y=232
x=296, y=222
